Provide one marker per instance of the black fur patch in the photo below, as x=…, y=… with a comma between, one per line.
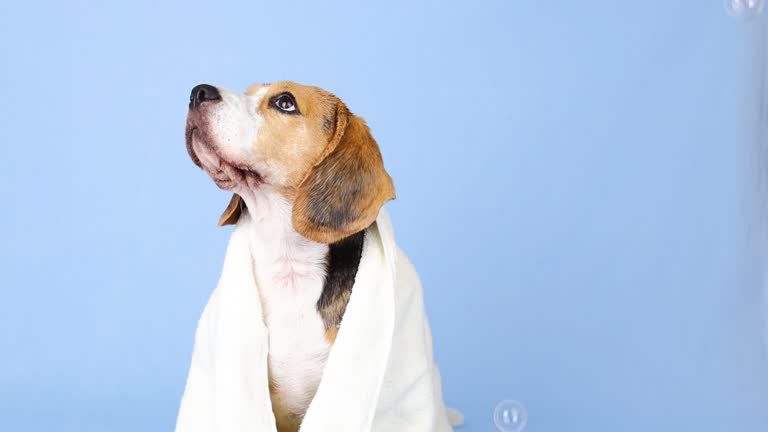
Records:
x=327, y=125
x=335, y=208
x=343, y=261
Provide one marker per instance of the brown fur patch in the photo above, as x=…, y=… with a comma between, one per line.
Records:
x=285, y=420
x=343, y=193
x=232, y=213
x=330, y=335
x=290, y=145
x=254, y=88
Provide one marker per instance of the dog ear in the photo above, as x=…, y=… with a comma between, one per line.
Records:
x=232, y=213
x=343, y=192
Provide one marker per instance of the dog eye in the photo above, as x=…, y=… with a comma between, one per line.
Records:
x=285, y=103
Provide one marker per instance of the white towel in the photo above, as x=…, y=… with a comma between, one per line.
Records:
x=380, y=375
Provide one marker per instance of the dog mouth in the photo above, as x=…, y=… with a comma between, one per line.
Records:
x=227, y=174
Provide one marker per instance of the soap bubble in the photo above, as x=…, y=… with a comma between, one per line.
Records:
x=744, y=9
x=510, y=416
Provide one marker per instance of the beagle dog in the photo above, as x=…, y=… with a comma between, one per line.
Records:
x=311, y=178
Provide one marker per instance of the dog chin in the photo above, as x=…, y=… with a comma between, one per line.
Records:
x=227, y=175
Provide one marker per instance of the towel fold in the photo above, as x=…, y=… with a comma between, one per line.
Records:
x=380, y=375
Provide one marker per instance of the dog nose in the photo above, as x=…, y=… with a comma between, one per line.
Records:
x=202, y=93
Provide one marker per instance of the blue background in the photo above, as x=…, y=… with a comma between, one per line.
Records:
x=580, y=184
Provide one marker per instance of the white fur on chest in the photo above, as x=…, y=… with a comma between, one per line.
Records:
x=290, y=273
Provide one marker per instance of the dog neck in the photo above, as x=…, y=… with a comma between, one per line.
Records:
x=277, y=248
x=285, y=261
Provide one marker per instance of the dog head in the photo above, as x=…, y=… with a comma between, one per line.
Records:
x=301, y=140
